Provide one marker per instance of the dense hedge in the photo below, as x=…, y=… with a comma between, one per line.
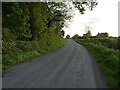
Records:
x=16, y=51
x=109, y=42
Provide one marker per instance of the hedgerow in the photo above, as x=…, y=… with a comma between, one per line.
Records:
x=108, y=60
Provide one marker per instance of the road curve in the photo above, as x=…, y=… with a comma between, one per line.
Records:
x=70, y=66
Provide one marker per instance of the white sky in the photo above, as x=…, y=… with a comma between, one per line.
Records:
x=103, y=18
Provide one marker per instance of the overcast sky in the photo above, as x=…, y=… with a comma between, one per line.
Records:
x=103, y=18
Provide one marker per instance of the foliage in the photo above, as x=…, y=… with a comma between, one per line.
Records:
x=108, y=42
x=36, y=20
x=85, y=4
x=38, y=14
x=102, y=35
x=87, y=35
x=67, y=36
x=18, y=59
x=31, y=29
x=108, y=61
x=62, y=33
x=76, y=36
x=7, y=35
x=21, y=51
x=16, y=17
x=46, y=19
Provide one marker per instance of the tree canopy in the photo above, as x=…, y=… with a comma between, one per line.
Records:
x=37, y=20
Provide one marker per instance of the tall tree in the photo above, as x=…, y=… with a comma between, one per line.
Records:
x=37, y=20
x=87, y=35
x=46, y=18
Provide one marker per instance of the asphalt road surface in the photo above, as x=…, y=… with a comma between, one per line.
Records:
x=70, y=66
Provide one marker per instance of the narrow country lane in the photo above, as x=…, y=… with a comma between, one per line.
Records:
x=70, y=66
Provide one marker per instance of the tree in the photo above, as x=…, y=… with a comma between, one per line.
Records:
x=62, y=33
x=85, y=4
x=67, y=36
x=16, y=18
x=76, y=36
x=37, y=20
x=46, y=19
x=102, y=35
x=87, y=35
x=39, y=13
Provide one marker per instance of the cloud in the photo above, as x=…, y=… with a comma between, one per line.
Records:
x=104, y=18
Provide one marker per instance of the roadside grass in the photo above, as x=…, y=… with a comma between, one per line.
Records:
x=24, y=51
x=108, y=61
x=19, y=59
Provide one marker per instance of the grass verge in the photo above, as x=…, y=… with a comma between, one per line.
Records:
x=108, y=61
x=28, y=55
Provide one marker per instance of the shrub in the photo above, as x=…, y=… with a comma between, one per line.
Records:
x=108, y=42
x=7, y=35
x=14, y=52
